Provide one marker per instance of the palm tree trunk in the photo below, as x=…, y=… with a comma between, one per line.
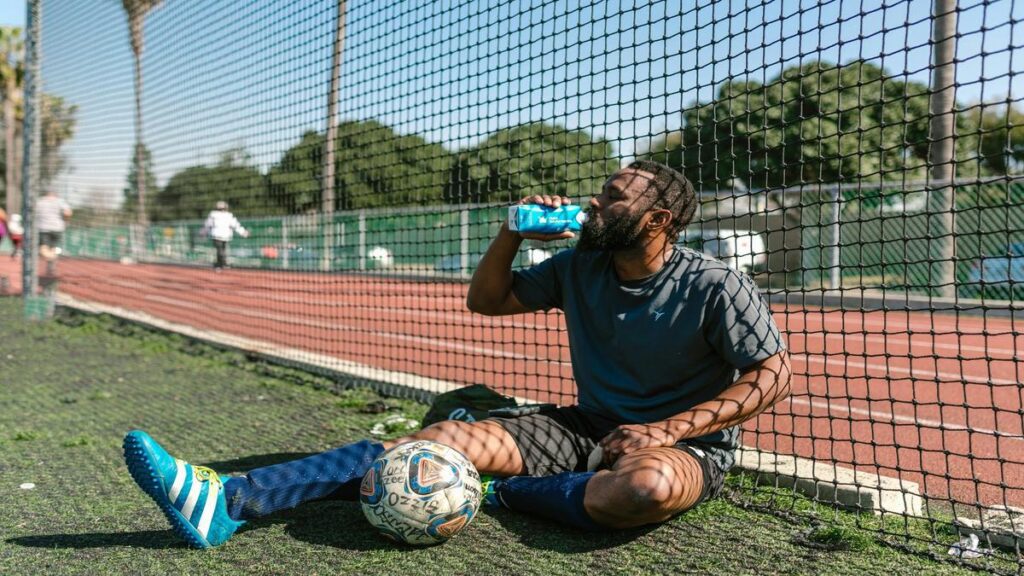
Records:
x=140, y=180
x=327, y=194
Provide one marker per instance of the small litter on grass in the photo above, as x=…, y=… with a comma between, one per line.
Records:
x=968, y=547
x=394, y=424
x=375, y=407
x=27, y=486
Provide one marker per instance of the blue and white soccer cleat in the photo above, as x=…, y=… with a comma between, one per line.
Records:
x=192, y=497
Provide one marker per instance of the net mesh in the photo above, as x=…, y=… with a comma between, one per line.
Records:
x=860, y=160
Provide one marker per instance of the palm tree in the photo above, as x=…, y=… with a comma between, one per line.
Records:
x=12, y=74
x=136, y=11
x=327, y=195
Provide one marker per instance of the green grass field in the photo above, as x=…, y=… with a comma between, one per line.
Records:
x=71, y=388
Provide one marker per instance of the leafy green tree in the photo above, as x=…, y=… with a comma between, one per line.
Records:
x=12, y=77
x=194, y=191
x=818, y=122
x=536, y=158
x=992, y=135
x=374, y=167
x=59, y=123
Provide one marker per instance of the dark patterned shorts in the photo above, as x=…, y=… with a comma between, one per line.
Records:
x=561, y=439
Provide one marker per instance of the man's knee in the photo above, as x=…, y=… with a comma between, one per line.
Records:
x=650, y=491
x=644, y=491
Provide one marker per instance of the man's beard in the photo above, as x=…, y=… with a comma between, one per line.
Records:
x=622, y=233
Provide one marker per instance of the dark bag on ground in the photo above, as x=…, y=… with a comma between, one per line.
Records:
x=467, y=404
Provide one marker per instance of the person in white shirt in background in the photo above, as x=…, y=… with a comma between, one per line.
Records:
x=221, y=226
x=52, y=214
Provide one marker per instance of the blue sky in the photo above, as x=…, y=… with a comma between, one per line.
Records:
x=12, y=13
x=254, y=75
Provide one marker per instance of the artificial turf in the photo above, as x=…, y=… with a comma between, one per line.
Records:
x=70, y=389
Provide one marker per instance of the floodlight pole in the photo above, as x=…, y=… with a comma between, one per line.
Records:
x=327, y=193
x=30, y=161
x=942, y=149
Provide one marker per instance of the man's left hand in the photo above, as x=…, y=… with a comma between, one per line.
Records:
x=629, y=438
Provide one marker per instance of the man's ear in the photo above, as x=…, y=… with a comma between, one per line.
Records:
x=659, y=220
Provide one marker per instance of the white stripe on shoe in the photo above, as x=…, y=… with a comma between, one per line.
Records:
x=193, y=495
x=211, y=504
x=179, y=481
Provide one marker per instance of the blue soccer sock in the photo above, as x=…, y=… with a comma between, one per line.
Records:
x=333, y=474
x=558, y=497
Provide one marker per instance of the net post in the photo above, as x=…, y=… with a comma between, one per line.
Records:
x=30, y=160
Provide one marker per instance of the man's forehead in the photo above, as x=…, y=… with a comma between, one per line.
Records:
x=631, y=179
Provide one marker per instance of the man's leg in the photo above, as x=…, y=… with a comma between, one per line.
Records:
x=57, y=243
x=194, y=498
x=221, y=247
x=336, y=474
x=646, y=487
x=491, y=449
x=46, y=246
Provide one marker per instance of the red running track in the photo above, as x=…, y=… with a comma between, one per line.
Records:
x=929, y=398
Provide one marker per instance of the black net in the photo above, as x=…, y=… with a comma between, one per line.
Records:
x=861, y=161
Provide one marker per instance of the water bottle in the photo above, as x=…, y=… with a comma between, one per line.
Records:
x=540, y=219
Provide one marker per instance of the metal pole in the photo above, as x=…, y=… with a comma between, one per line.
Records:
x=284, y=242
x=835, y=278
x=30, y=161
x=941, y=150
x=362, y=240
x=464, y=241
x=327, y=196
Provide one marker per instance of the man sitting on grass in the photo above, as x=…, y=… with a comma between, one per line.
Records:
x=671, y=351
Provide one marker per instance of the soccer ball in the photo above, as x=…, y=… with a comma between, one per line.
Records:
x=420, y=493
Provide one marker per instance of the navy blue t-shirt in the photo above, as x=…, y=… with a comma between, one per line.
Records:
x=646, y=350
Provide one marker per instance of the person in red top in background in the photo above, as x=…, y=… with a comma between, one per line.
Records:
x=17, y=232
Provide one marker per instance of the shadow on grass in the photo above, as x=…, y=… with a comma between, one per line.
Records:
x=342, y=525
x=246, y=463
x=337, y=524
x=542, y=534
x=154, y=539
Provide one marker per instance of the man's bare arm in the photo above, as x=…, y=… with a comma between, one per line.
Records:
x=490, y=290
x=758, y=388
